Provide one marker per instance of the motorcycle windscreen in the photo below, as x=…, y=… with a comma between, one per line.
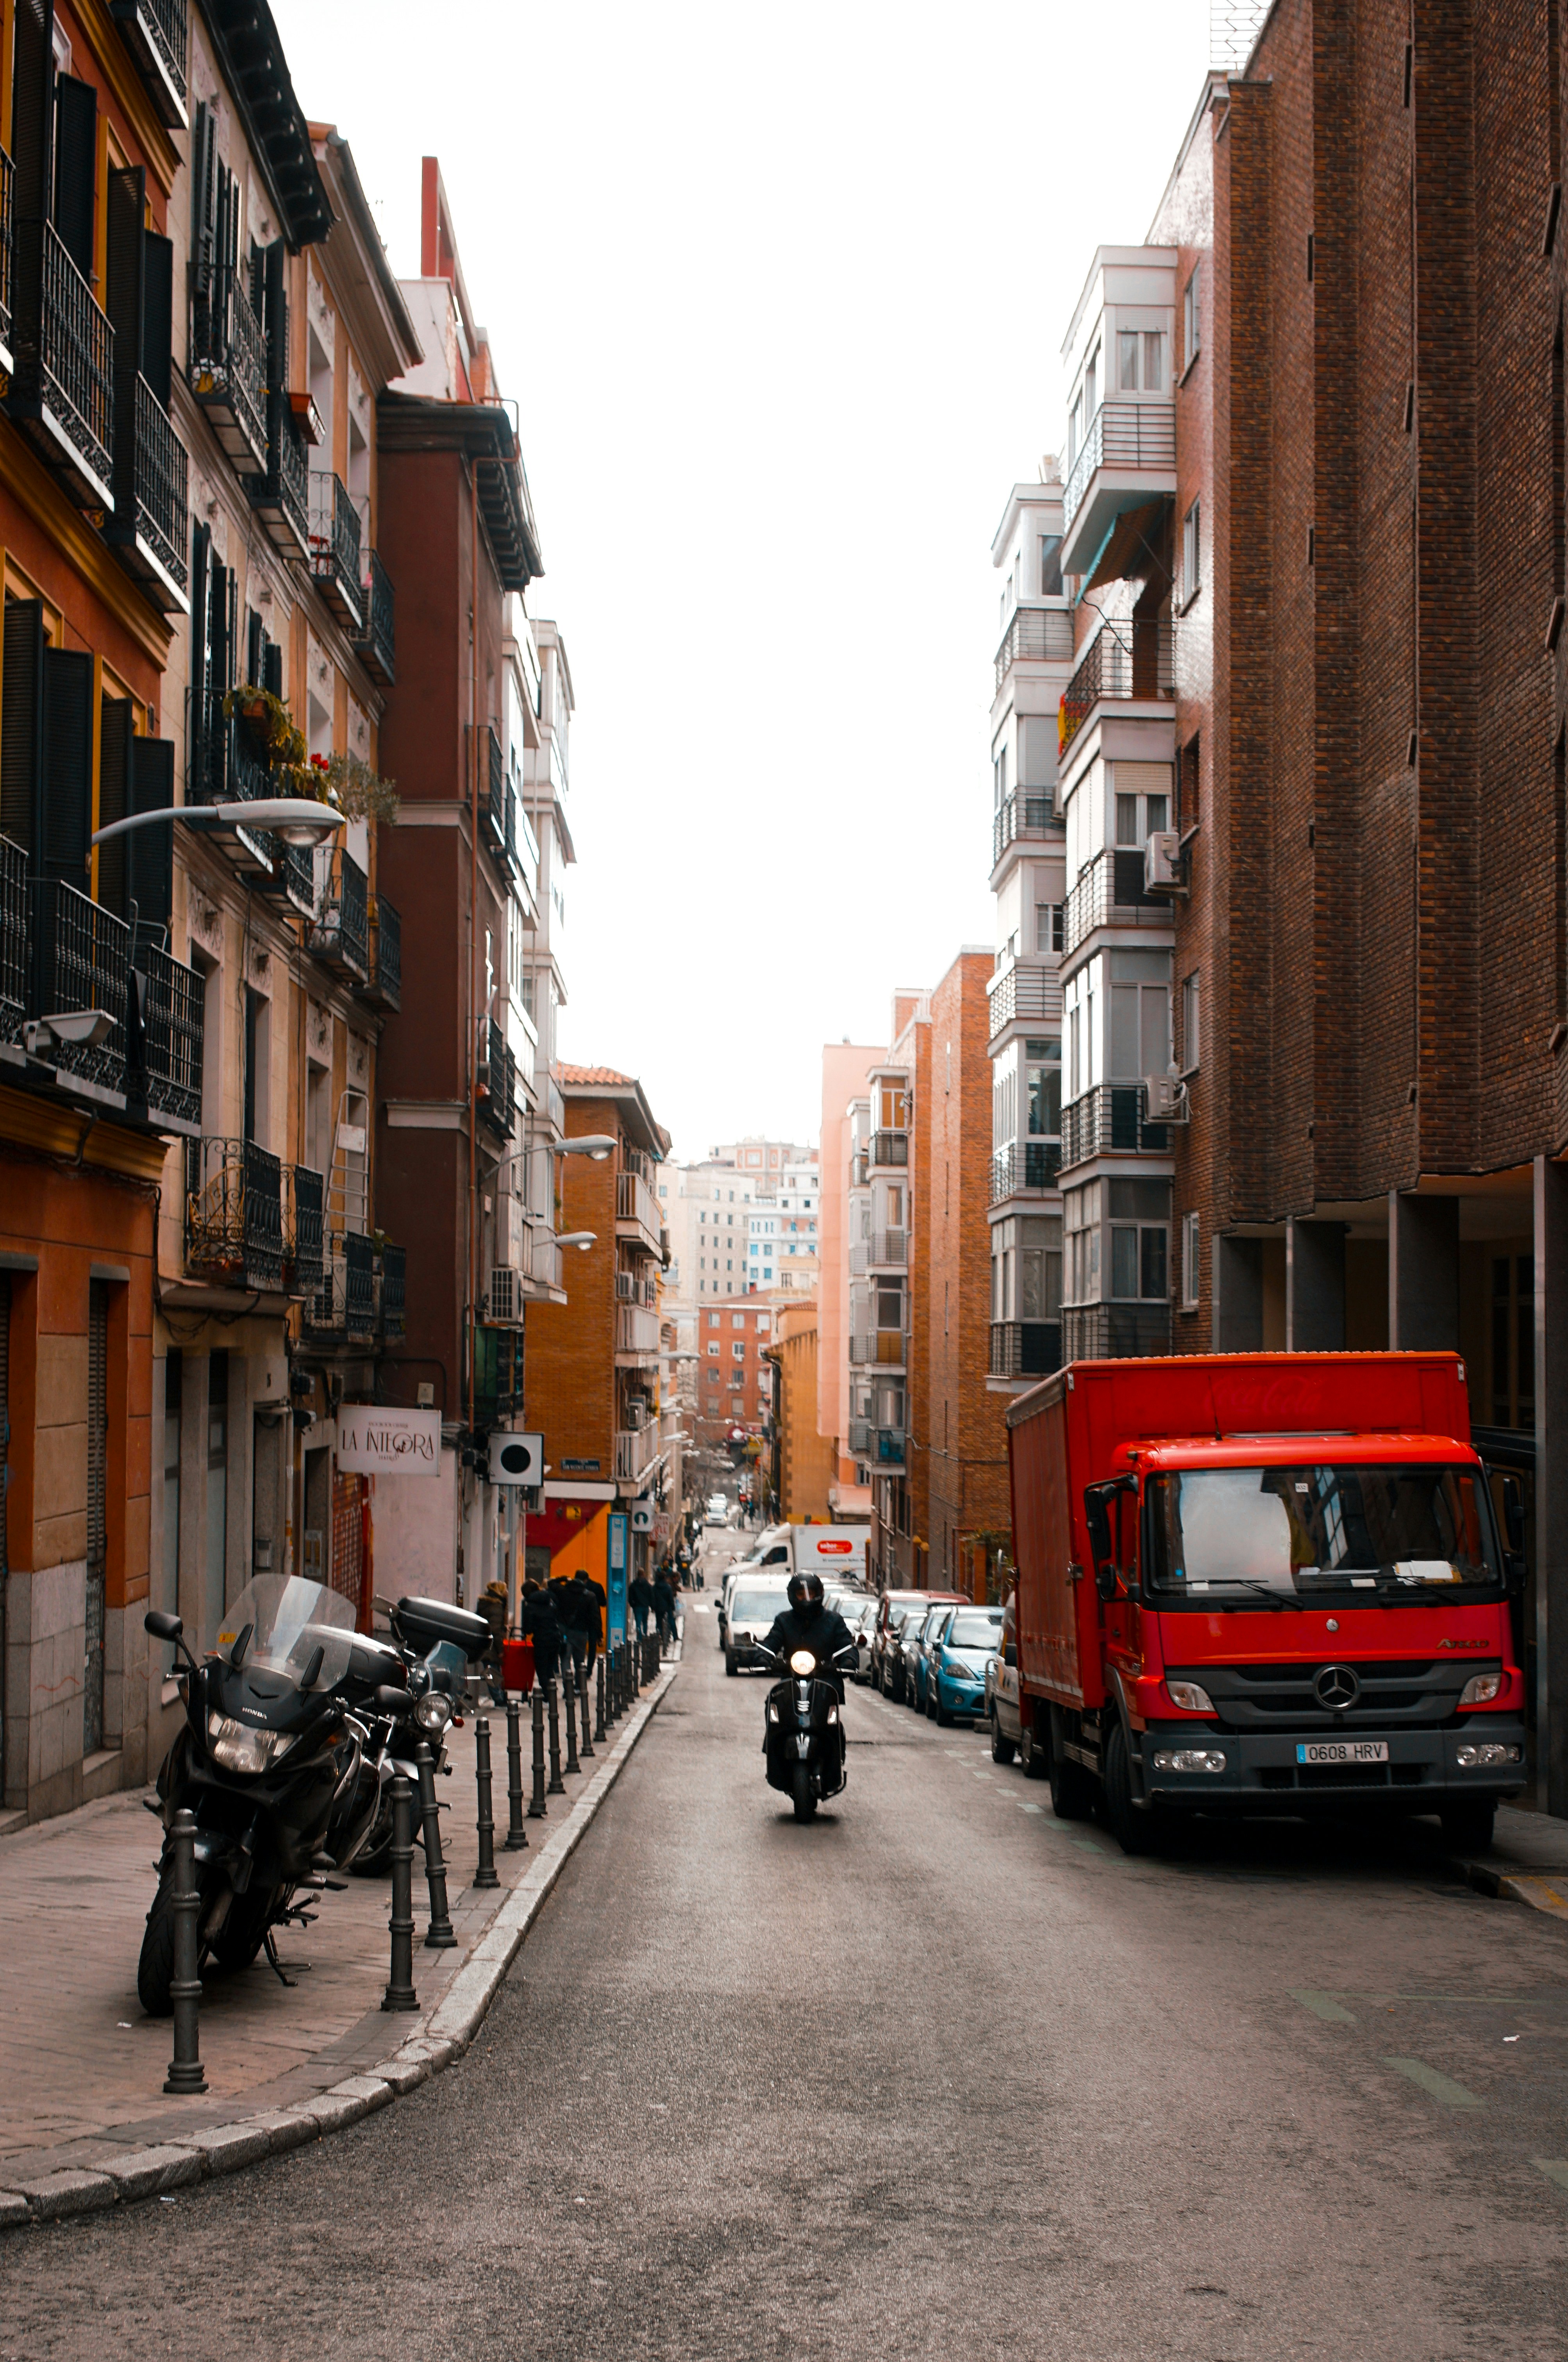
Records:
x=289, y=1618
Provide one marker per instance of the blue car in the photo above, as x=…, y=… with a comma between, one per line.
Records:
x=956, y=1682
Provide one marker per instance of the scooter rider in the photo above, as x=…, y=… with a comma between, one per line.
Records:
x=807, y=1622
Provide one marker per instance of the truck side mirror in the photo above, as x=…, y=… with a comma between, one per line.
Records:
x=1513, y=1512
x=1107, y=1582
x=1098, y=1518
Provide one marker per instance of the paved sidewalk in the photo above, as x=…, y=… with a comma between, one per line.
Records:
x=86, y=2067
x=1527, y=1861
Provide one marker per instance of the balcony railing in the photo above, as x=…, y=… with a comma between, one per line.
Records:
x=636, y=1331
x=341, y=933
x=636, y=1447
x=1031, y=994
x=152, y=522
x=879, y=1347
x=344, y=1305
x=1038, y=634
x=635, y=1202
x=1031, y=813
x=305, y=1231
x=62, y=390
x=335, y=549
x=173, y=1019
x=1124, y=435
x=630, y=1289
x=16, y=940
x=1024, y=1165
x=1135, y=659
x=229, y=369
x=7, y=226
x=1025, y=1348
x=282, y=495
x=385, y=984
x=498, y=813
x=1109, y=1121
x=498, y=1108
x=234, y=1215
x=885, y=1445
x=556, y=1105
x=883, y=1250
x=890, y=1148
x=392, y=1305
x=377, y=645
x=155, y=33
x=1100, y=1332
x=1109, y=893
x=82, y=956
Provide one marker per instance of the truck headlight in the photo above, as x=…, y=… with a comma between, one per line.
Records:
x=1188, y=1759
x=1191, y=1696
x=237, y=1748
x=1486, y=1755
x=1480, y=1689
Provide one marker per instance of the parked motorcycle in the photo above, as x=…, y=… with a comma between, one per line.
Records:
x=434, y=1647
x=802, y=1731
x=276, y=1762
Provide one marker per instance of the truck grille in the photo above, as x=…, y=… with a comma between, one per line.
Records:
x=1410, y=1692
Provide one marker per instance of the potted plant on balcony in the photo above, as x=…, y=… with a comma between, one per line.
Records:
x=273, y=727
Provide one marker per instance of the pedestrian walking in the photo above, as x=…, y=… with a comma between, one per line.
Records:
x=541, y=1623
x=640, y=1592
x=575, y=1609
x=595, y=1600
x=664, y=1609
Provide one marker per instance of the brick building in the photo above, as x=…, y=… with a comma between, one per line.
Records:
x=1321, y=564
x=734, y=1383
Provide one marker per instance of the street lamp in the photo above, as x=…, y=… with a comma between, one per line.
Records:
x=580, y=1240
x=298, y=820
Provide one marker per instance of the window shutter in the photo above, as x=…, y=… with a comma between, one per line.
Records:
x=272, y=667
x=253, y=639
x=157, y=314
x=116, y=737
x=197, y=714
x=150, y=852
x=225, y=649
x=22, y=723
x=124, y=294
x=202, y=221
x=75, y=169
x=32, y=109
x=67, y=766
x=277, y=319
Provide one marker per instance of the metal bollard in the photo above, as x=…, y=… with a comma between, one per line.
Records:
x=537, y=1808
x=400, y=1992
x=557, y=1785
x=438, y=1936
x=485, y=1875
x=598, y=1700
x=585, y=1743
x=569, y=1699
x=516, y=1835
x=185, y=2070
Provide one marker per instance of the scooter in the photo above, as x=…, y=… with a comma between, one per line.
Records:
x=802, y=1731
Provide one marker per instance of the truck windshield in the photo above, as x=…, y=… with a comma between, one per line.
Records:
x=1398, y=1534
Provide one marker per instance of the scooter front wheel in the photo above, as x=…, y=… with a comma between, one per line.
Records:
x=805, y=1795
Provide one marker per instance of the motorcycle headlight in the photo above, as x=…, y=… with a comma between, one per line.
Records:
x=237, y=1748
x=433, y=1711
x=802, y=1662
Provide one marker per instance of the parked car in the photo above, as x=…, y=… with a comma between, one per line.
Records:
x=754, y=1604
x=1001, y=1688
x=898, y=1603
x=862, y=1623
x=955, y=1669
x=898, y=1651
x=717, y=1511
x=920, y=1650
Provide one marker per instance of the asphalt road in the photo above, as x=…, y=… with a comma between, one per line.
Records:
x=936, y=2075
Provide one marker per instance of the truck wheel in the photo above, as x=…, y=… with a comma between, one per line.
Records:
x=1003, y=1750
x=1467, y=1826
x=731, y=1668
x=1135, y=1831
x=805, y=1795
x=1073, y=1789
x=1031, y=1755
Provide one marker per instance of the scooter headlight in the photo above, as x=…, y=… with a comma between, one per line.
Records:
x=237, y=1748
x=802, y=1662
x=433, y=1712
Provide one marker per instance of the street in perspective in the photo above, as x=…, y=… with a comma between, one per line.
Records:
x=705, y=1652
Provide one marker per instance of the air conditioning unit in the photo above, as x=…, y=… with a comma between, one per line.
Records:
x=506, y=1295
x=634, y=1412
x=1165, y=1098
x=1163, y=863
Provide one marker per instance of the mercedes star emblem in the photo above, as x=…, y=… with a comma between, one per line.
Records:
x=1337, y=1688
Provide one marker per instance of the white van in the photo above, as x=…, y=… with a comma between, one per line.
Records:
x=835, y=1552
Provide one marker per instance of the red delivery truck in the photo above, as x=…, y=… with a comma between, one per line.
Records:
x=1264, y=1583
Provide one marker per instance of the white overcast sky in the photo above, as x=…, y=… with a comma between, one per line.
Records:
x=781, y=295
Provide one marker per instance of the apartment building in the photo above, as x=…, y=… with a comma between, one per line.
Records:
x=734, y=1383
x=1032, y=664
x=707, y=1209
x=801, y=1461
x=594, y=1362
x=781, y=1249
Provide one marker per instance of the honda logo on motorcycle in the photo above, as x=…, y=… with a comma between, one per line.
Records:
x=1337, y=1688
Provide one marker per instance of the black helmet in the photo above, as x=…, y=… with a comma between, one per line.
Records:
x=805, y=1592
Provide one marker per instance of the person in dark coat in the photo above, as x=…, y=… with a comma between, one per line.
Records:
x=574, y=1619
x=541, y=1624
x=664, y=1608
x=594, y=1601
x=640, y=1592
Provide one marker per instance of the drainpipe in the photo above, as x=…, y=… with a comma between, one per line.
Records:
x=473, y=942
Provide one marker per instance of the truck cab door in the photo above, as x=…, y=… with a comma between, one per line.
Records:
x=1122, y=1616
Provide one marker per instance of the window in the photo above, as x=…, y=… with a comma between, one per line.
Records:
x=737, y=1320
x=1127, y=360
x=1139, y=1231
x=1189, y=1024
x=1048, y=926
x=1138, y=817
x=1140, y=1027
x=1189, y=1262
x=713, y=1319
x=1043, y=1084
x=1191, y=579
x=1091, y=387
x=1191, y=337
x=738, y=1352
x=1154, y=361
x=1050, y=566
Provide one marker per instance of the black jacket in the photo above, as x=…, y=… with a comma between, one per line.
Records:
x=663, y=1597
x=825, y=1633
x=539, y=1622
x=640, y=1591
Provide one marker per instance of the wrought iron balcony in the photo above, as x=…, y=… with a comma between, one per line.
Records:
x=341, y=933
x=1129, y=457
x=154, y=31
x=234, y=1215
x=63, y=386
x=498, y=1106
x=385, y=987
x=305, y=1236
x=1102, y=1332
x=1109, y=1121
x=1035, y=634
x=1024, y=1165
x=335, y=550
x=1031, y=813
x=173, y=1010
x=377, y=642
x=82, y=960
x=227, y=766
x=1109, y=893
x=281, y=496
x=890, y=1148
x=150, y=527
x=344, y=1305
x=16, y=940
x=498, y=818
x=229, y=369
x=1031, y=994
x=1025, y=1348
x=392, y=1305
x=7, y=227
x=1134, y=660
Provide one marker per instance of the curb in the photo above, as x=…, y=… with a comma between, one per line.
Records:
x=435, y=2041
x=1513, y=1886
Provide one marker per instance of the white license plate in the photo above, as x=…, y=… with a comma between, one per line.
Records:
x=1343, y=1751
